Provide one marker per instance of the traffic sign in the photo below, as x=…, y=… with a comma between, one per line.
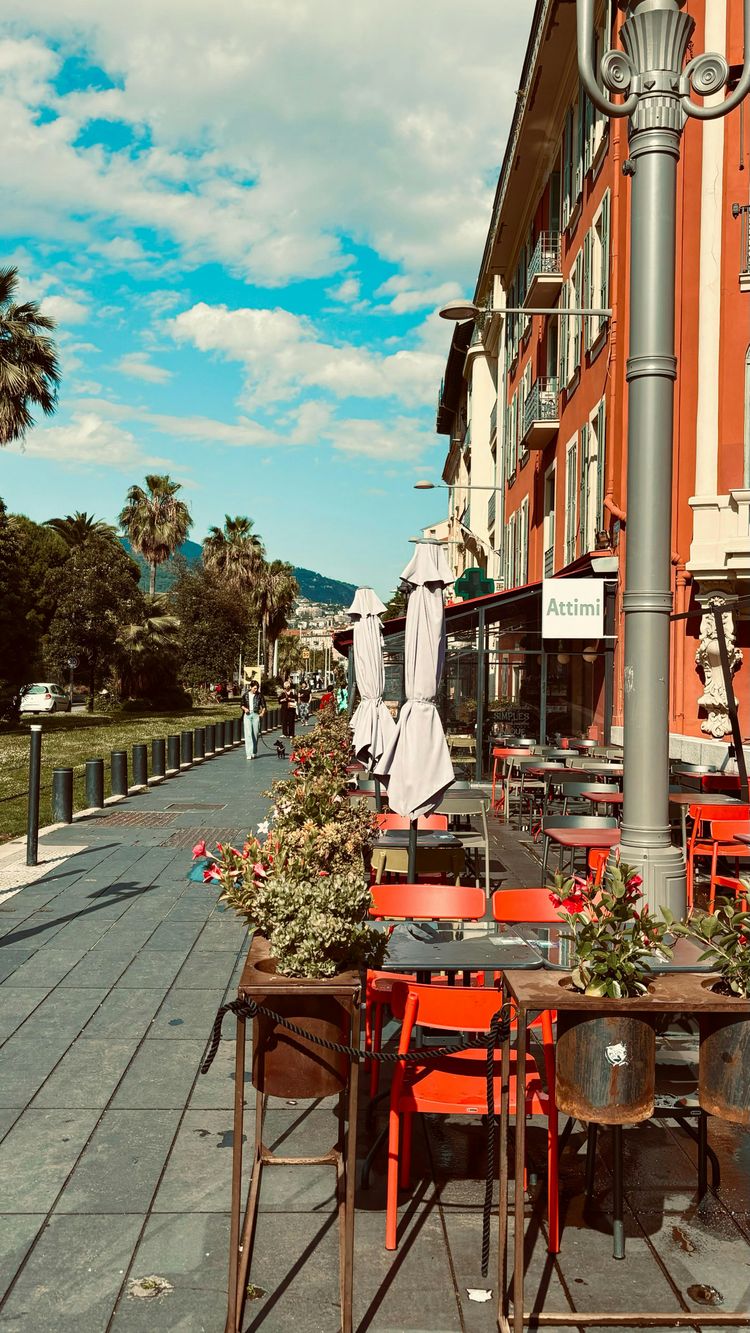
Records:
x=305, y=654
x=72, y=662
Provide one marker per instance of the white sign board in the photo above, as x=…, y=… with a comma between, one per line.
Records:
x=572, y=609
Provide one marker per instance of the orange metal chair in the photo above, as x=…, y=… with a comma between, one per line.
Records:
x=409, y=902
x=457, y=1085
x=724, y=844
x=437, y=823
x=499, y=755
x=699, y=845
x=597, y=860
x=532, y=905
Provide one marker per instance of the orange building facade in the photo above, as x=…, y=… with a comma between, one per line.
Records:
x=536, y=403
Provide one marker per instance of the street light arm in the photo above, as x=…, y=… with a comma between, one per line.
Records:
x=617, y=70
x=708, y=74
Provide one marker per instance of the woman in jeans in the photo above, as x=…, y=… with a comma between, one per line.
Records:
x=253, y=708
x=288, y=701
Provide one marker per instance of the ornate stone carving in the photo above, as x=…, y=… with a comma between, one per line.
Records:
x=708, y=661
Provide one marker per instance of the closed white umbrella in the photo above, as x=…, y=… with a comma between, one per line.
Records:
x=416, y=767
x=372, y=723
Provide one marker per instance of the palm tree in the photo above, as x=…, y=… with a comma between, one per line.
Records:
x=29, y=370
x=235, y=552
x=149, y=649
x=75, y=529
x=155, y=522
x=275, y=594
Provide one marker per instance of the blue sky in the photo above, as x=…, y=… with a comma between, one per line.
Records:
x=244, y=221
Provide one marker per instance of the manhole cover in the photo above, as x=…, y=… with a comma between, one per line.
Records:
x=187, y=837
x=185, y=807
x=129, y=819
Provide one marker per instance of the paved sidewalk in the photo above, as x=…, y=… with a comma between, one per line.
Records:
x=115, y=1154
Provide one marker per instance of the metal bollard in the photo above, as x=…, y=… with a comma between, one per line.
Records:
x=219, y=737
x=237, y=730
x=119, y=760
x=94, y=783
x=140, y=766
x=173, y=754
x=210, y=740
x=158, y=758
x=199, y=744
x=186, y=749
x=32, y=814
x=62, y=796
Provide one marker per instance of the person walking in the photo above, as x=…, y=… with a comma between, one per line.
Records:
x=304, y=700
x=288, y=701
x=253, y=709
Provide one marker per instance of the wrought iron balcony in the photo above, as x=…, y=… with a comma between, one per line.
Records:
x=544, y=279
x=541, y=413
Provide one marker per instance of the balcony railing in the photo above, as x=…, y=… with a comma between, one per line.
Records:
x=544, y=278
x=491, y=508
x=549, y=562
x=541, y=413
x=744, y=215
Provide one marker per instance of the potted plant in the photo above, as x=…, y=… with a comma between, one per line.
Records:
x=605, y=1061
x=303, y=889
x=724, y=1062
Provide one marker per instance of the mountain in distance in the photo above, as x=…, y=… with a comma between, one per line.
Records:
x=315, y=587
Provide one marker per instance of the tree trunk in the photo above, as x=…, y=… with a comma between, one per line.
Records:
x=92, y=682
x=152, y=578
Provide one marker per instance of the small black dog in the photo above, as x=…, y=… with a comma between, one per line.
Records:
x=280, y=751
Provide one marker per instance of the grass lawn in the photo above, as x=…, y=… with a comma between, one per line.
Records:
x=68, y=740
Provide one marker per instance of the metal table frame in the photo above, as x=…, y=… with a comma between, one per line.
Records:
x=533, y=991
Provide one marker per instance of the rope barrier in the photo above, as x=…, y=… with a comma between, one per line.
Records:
x=488, y=1041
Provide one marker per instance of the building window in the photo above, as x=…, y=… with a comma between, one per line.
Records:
x=570, y=325
x=571, y=498
x=596, y=270
x=510, y=554
x=522, y=568
x=549, y=522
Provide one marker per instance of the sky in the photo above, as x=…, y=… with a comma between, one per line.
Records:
x=244, y=215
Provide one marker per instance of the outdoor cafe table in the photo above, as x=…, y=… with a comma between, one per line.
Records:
x=438, y=852
x=604, y=797
x=425, y=947
x=574, y=839
x=684, y=799
x=533, y=991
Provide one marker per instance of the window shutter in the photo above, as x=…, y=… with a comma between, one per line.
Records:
x=583, y=504
x=567, y=167
x=523, y=559
x=601, y=427
x=588, y=284
x=577, y=321
x=604, y=277
x=590, y=117
x=570, y=506
x=563, y=338
x=579, y=147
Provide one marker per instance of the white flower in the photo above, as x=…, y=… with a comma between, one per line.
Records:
x=263, y=827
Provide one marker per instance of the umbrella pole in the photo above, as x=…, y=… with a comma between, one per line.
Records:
x=411, y=874
x=378, y=790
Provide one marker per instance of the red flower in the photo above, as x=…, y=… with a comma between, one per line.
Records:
x=211, y=874
x=199, y=849
x=555, y=899
x=259, y=870
x=573, y=904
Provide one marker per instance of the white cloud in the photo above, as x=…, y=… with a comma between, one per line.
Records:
x=266, y=132
x=347, y=292
x=140, y=367
x=122, y=250
x=284, y=357
x=88, y=439
x=65, y=309
x=405, y=299
x=402, y=439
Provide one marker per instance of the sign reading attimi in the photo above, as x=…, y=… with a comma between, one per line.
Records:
x=572, y=609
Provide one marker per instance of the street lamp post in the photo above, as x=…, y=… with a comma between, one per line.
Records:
x=650, y=76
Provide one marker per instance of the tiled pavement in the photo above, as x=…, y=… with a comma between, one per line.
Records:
x=113, y=968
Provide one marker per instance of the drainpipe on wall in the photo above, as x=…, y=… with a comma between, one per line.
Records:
x=682, y=584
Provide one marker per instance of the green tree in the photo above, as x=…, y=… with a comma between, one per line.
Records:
x=29, y=371
x=155, y=521
x=234, y=551
x=149, y=657
x=397, y=605
x=213, y=622
x=97, y=595
x=290, y=655
x=42, y=553
x=274, y=595
x=18, y=641
x=76, y=528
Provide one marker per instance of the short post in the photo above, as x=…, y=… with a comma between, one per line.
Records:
x=140, y=766
x=219, y=744
x=158, y=758
x=173, y=754
x=62, y=796
x=237, y=730
x=35, y=773
x=199, y=744
x=94, y=784
x=186, y=749
x=210, y=740
x=119, y=761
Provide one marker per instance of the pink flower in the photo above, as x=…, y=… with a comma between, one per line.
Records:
x=555, y=899
x=573, y=905
x=260, y=870
x=211, y=874
x=199, y=849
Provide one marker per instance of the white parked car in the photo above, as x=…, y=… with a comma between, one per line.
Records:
x=44, y=698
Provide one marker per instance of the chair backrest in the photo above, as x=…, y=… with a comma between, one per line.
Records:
x=679, y=767
x=532, y=905
x=576, y=787
x=714, y=814
x=454, y=1008
x=578, y=821
x=462, y=805
x=724, y=830
x=427, y=902
x=507, y=751
x=438, y=823
x=366, y=784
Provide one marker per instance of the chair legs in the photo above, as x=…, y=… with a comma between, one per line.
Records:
x=391, y=1196
x=553, y=1187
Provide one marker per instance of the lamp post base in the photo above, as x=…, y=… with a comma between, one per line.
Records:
x=663, y=872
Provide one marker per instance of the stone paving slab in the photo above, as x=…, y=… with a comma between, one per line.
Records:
x=120, y=1168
